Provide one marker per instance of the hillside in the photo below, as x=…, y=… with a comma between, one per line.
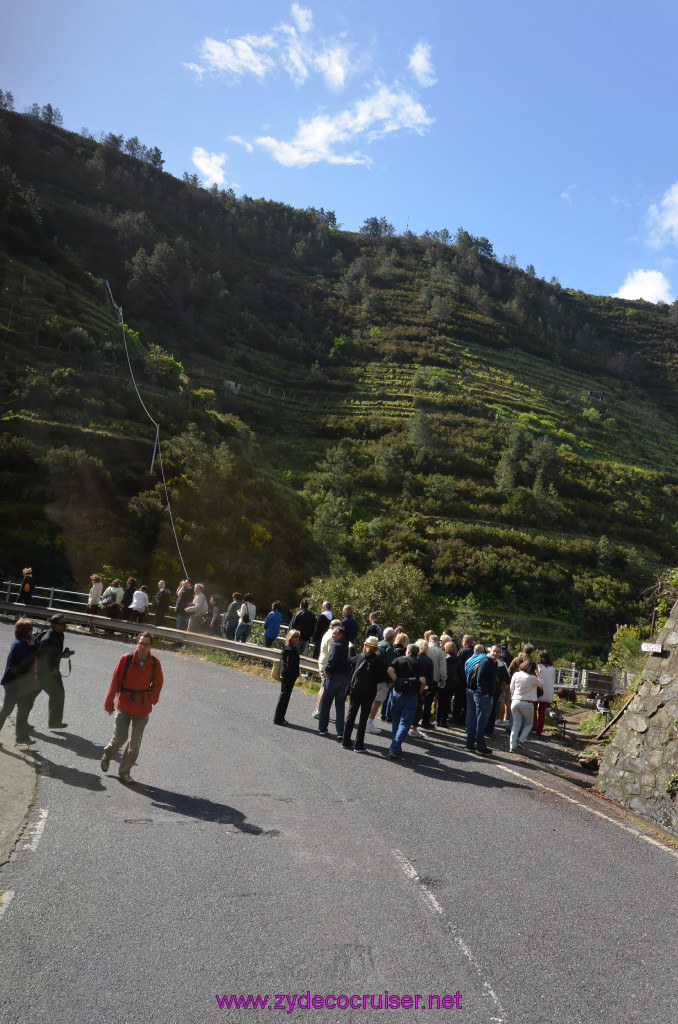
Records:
x=409, y=400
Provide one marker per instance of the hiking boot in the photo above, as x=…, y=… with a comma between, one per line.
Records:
x=105, y=763
x=126, y=778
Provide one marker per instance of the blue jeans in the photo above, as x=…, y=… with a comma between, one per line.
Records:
x=522, y=713
x=478, y=711
x=242, y=631
x=334, y=689
x=402, y=715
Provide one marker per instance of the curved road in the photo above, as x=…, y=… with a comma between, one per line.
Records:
x=251, y=859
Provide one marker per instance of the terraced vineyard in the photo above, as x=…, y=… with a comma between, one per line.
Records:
x=398, y=402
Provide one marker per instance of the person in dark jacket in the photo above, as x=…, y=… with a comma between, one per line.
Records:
x=369, y=670
x=322, y=624
x=337, y=678
x=375, y=628
x=50, y=652
x=161, y=603
x=26, y=593
x=304, y=621
x=459, y=695
x=231, y=616
x=289, y=671
x=422, y=714
x=127, y=595
x=479, y=702
x=18, y=682
x=454, y=680
x=407, y=689
x=350, y=625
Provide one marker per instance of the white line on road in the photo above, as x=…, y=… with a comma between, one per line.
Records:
x=34, y=831
x=433, y=903
x=6, y=897
x=592, y=810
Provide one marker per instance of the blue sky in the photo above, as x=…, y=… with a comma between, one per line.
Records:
x=549, y=128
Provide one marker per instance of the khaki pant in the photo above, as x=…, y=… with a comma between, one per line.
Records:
x=121, y=726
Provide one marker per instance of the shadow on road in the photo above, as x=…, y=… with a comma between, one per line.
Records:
x=200, y=808
x=71, y=776
x=71, y=741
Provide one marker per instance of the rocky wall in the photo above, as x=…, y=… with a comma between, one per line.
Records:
x=643, y=756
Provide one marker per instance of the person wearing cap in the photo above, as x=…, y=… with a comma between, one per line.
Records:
x=525, y=655
x=369, y=671
x=50, y=652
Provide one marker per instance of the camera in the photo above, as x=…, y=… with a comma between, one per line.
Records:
x=67, y=652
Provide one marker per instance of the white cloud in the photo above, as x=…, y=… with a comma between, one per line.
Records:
x=210, y=165
x=651, y=285
x=295, y=59
x=421, y=65
x=566, y=194
x=238, y=56
x=333, y=63
x=292, y=46
x=303, y=17
x=663, y=219
x=241, y=142
x=324, y=138
x=197, y=70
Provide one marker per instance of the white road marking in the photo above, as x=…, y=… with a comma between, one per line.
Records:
x=6, y=897
x=34, y=831
x=592, y=810
x=458, y=941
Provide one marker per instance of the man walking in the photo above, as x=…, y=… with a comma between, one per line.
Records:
x=137, y=682
x=50, y=651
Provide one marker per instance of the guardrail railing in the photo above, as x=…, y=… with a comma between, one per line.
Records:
x=105, y=625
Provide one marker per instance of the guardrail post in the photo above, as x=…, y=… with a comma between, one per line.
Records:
x=51, y=598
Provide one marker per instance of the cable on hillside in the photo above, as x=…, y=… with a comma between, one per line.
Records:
x=157, y=451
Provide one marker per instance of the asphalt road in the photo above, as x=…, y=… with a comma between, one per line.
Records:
x=251, y=859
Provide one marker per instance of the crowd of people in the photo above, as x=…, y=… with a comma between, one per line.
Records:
x=422, y=685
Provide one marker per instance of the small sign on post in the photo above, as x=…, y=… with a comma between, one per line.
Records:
x=651, y=648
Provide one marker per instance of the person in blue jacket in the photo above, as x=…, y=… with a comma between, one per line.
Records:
x=19, y=684
x=272, y=624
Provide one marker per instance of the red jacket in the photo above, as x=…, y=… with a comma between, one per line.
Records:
x=138, y=677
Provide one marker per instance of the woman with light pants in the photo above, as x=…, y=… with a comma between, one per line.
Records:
x=523, y=693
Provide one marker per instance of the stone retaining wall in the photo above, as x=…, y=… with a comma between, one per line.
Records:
x=643, y=756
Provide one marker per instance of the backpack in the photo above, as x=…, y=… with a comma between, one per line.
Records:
x=472, y=680
x=127, y=689
x=245, y=616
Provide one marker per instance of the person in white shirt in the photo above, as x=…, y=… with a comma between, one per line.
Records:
x=197, y=609
x=140, y=603
x=95, y=594
x=246, y=614
x=523, y=695
x=546, y=674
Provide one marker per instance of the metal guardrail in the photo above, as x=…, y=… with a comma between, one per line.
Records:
x=105, y=625
x=67, y=600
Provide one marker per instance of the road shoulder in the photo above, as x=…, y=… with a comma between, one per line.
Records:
x=18, y=784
